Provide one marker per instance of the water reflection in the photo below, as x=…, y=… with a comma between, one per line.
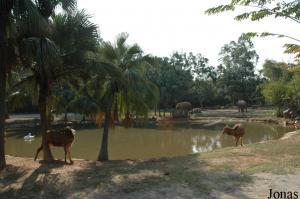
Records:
x=204, y=143
x=135, y=143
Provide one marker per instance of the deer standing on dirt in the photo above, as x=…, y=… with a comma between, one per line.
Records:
x=237, y=131
x=63, y=138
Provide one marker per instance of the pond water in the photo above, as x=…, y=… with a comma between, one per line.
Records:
x=142, y=143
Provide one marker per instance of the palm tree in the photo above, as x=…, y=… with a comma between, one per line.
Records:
x=127, y=91
x=14, y=15
x=74, y=38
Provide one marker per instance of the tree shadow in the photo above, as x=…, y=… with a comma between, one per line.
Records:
x=181, y=177
x=41, y=183
x=158, y=178
x=11, y=174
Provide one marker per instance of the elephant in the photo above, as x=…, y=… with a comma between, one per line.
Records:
x=242, y=105
x=184, y=107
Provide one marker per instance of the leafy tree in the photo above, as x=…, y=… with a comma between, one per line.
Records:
x=204, y=91
x=263, y=9
x=238, y=69
x=63, y=96
x=275, y=71
x=281, y=87
x=173, y=76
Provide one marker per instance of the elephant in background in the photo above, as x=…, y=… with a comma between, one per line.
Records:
x=184, y=108
x=242, y=105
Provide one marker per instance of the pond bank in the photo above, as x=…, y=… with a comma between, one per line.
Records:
x=233, y=172
x=206, y=117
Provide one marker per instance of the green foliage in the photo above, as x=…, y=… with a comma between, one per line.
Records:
x=275, y=71
x=275, y=92
x=237, y=72
x=282, y=89
x=265, y=8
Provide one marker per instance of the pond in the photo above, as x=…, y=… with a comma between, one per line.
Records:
x=143, y=143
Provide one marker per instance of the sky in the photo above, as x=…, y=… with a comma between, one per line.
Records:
x=162, y=27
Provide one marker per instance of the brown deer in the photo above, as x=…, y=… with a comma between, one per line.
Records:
x=62, y=138
x=237, y=131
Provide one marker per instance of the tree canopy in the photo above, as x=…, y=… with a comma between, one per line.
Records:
x=260, y=9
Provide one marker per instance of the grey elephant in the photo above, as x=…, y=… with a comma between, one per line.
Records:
x=184, y=107
x=242, y=105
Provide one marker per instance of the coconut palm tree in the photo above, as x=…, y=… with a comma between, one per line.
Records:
x=14, y=15
x=72, y=40
x=128, y=90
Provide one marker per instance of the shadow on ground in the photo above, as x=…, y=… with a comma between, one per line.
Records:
x=182, y=177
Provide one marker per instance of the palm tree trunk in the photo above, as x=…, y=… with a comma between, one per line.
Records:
x=116, y=113
x=66, y=117
x=44, y=123
x=2, y=114
x=103, y=154
x=159, y=114
x=127, y=119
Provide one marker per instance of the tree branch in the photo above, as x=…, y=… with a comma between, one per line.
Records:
x=271, y=11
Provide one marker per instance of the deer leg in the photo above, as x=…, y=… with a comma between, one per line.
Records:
x=65, y=149
x=37, y=152
x=237, y=140
x=69, y=152
x=241, y=141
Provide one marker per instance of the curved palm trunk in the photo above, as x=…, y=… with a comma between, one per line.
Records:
x=66, y=117
x=2, y=114
x=103, y=154
x=44, y=124
x=127, y=119
x=116, y=113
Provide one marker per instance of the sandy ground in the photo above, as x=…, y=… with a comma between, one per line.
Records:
x=234, y=172
x=36, y=180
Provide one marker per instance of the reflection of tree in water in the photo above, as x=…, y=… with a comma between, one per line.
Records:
x=205, y=143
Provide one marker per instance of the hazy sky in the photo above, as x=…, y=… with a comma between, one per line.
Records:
x=161, y=27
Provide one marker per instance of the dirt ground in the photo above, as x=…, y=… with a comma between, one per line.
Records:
x=234, y=172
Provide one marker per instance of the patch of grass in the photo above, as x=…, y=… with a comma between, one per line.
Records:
x=236, y=179
x=271, y=167
x=296, y=162
x=226, y=167
x=275, y=148
x=224, y=153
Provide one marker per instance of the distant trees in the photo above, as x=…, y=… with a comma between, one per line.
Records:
x=173, y=77
x=280, y=89
x=282, y=85
x=189, y=77
x=238, y=70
